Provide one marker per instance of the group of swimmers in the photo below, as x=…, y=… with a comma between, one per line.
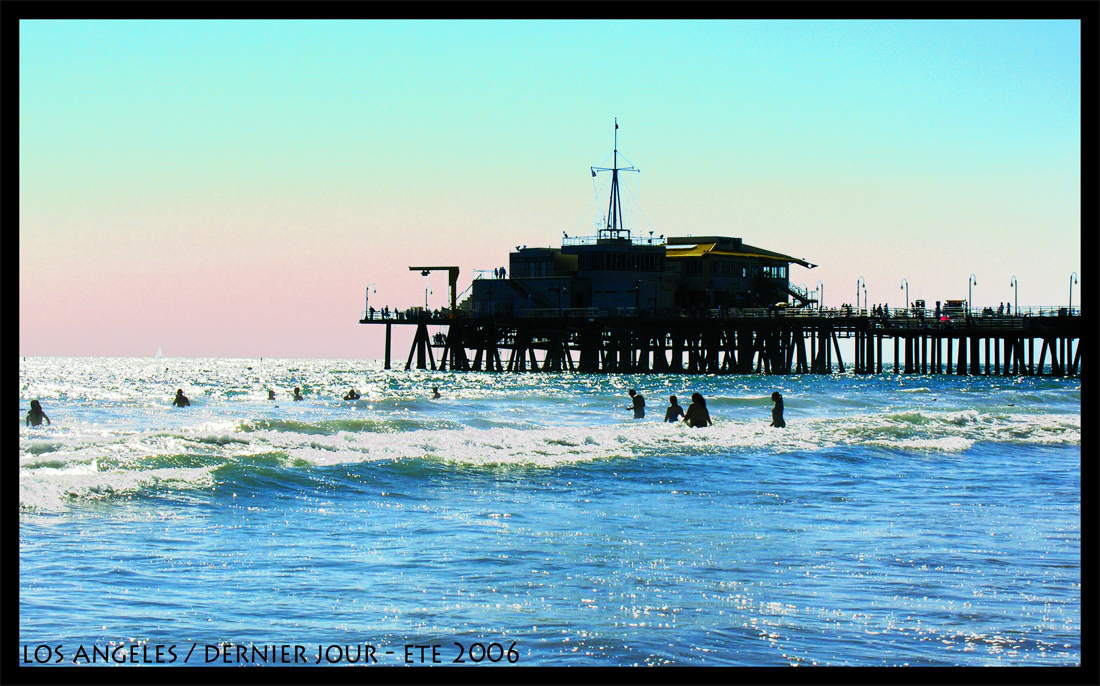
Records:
x=181, y=400
x=354, y=394
x=697, y=414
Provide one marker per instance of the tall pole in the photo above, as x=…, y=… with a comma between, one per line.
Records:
x=821, y=294
x=972, y=281
x=367, y=305
x=614, y=206
x=905, y=285
x=1016, y=293
x=614, y=224
x=1072, y=280
x=858, y=282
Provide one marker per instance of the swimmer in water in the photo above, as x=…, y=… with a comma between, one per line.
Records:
x=352, y=395
x=181, y=399
x=674, y=411
x=36, y=415
x=435, y=392
x=777, y=411
x=298, y=393
x=639, y=404
x=697, y=414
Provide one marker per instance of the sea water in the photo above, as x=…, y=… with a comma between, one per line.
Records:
x=529, y=519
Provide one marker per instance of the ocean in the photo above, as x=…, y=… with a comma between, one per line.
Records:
x=527, y=519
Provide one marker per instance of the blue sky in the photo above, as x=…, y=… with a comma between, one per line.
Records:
x=231, y=187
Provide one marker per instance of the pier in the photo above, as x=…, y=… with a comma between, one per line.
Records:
x=706, y=304
x=1030, y=342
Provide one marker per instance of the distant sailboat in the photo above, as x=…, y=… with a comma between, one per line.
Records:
x=158, y=352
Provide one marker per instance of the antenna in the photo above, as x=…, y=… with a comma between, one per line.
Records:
x=614, y=227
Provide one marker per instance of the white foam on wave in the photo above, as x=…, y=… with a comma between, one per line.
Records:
x=549, y=447
x=493, y=446
x=100, y=463
x=963, y=417
x=51, y=490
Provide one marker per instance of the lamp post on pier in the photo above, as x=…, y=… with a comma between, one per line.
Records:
x=367, y=304
x=972, y=281
x=1016, y=294
x=1072, y=280
x=858, y=282
x=820, y=294
x=905, y=285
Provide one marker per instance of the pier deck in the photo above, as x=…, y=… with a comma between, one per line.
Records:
x=1035, y=341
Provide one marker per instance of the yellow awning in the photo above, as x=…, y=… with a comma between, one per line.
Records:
x=693, y=251
x=708, y=249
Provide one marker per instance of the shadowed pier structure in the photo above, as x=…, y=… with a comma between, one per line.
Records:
x=760, y=341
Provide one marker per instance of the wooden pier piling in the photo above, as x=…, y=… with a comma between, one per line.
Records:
x=762, y=341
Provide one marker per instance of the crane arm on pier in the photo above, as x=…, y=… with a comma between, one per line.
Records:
x=452, y=281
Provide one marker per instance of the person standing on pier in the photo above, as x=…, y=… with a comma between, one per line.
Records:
x=777, y=411
x=639, y=404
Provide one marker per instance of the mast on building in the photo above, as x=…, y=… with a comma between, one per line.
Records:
x=613, y=227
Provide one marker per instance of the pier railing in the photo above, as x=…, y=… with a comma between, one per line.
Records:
x=772, y=340
x=900, y=318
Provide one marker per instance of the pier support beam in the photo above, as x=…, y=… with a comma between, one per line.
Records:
x=389, y=333
x=742, y=345
x=422, y=347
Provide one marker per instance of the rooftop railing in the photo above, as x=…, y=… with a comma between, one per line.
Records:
x=594, y=240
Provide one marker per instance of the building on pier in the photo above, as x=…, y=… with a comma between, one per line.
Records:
x=614, y=271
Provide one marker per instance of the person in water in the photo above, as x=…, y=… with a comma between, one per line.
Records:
x=777, y=410
x=352, y=395
x=674, y=411
x=270, y=394
x=697, y=414
x=298, y=393
x=639, y=404
x=36, y=415
x=181, y=399
x=435, y=392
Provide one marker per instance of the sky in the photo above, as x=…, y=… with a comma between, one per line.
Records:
x=241, y=188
